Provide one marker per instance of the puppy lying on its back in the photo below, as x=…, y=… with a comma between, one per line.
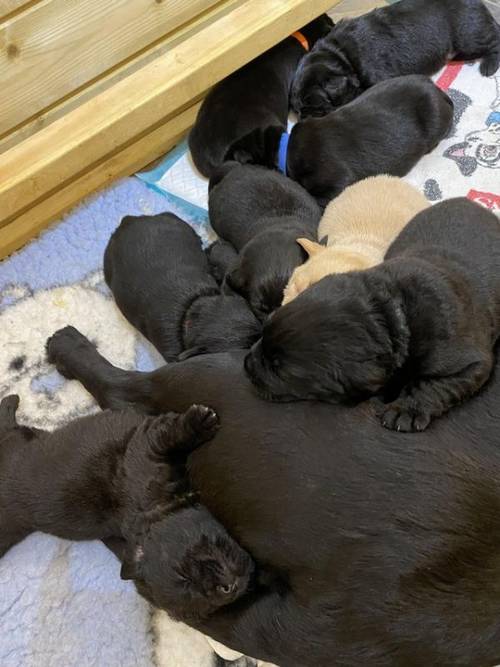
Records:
x=254, y=96
x=423, y=323
x=385, y=131
x=178, y=307
x=121, y=477
x=359, y=225
x=409, y=37
x=261, y=214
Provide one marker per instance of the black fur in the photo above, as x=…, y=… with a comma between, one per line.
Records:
x=426, y=320
x=254, y=96
x=409, y=37
x=388, y=544
x=159, y=275
x=221, y=258
x=122, y=475
x=385, y=131
x=261, y=214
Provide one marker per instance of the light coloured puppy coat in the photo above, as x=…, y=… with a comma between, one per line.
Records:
x=359, y=225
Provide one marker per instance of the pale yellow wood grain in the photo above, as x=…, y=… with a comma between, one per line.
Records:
x=56, y=46
x=9, y=6
x=121, y=71
x=72, y=145
x=134, y=157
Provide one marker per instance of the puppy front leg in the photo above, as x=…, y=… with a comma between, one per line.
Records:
x=425, y=399
x=76, y=358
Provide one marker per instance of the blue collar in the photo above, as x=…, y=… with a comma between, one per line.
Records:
x=283, y=152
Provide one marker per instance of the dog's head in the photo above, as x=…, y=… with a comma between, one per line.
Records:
x=322, y=262
x=265, y=266
x=341, y=340
x=187, y=564
x=323, y=83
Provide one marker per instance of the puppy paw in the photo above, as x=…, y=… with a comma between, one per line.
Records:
x=63, y=346
x=400, y=416
x=203, y=421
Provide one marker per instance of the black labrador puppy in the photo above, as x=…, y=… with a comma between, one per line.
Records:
x=121, y=475
x=261, y=214
x=409, y=37
x=387, y=544
x=159, y=275
x=385, y=131
x=257, y=95
x=426, y=320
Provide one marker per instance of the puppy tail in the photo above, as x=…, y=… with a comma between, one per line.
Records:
x=221, y=172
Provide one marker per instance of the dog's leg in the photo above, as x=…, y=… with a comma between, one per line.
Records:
x=76, y=358
x=424, y=400
x=180, y=434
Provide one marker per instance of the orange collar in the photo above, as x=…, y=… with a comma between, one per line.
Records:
x=301, y=39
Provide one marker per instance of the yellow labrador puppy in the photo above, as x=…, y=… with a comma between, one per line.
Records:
x=359, y=225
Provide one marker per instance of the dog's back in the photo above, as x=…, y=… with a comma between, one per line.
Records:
x=249, y=199
x=373, y=210
x=155, y=267
x=457, y=227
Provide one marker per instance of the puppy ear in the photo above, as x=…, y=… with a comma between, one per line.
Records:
x=130, y=568
x=311, y=247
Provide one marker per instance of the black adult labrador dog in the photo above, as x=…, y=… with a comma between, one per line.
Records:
x=386, y=545
x=254, y=96
x=385, y=131
x=409, y=37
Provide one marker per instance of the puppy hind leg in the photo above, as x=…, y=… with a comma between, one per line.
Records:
x=491, y=62
x=76, y=358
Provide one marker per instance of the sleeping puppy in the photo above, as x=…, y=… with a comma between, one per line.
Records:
x=385, y=131
x=123, y=475
x=422, y=325
x=359, y=226
x=261, y=214
x=254, y=96
x=409, y=37
x=159, y=276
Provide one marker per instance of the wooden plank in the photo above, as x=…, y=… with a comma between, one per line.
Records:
x=73, y=144
x=78, y=97
x=134, y=157
x=59, y=45
x=10, y=6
